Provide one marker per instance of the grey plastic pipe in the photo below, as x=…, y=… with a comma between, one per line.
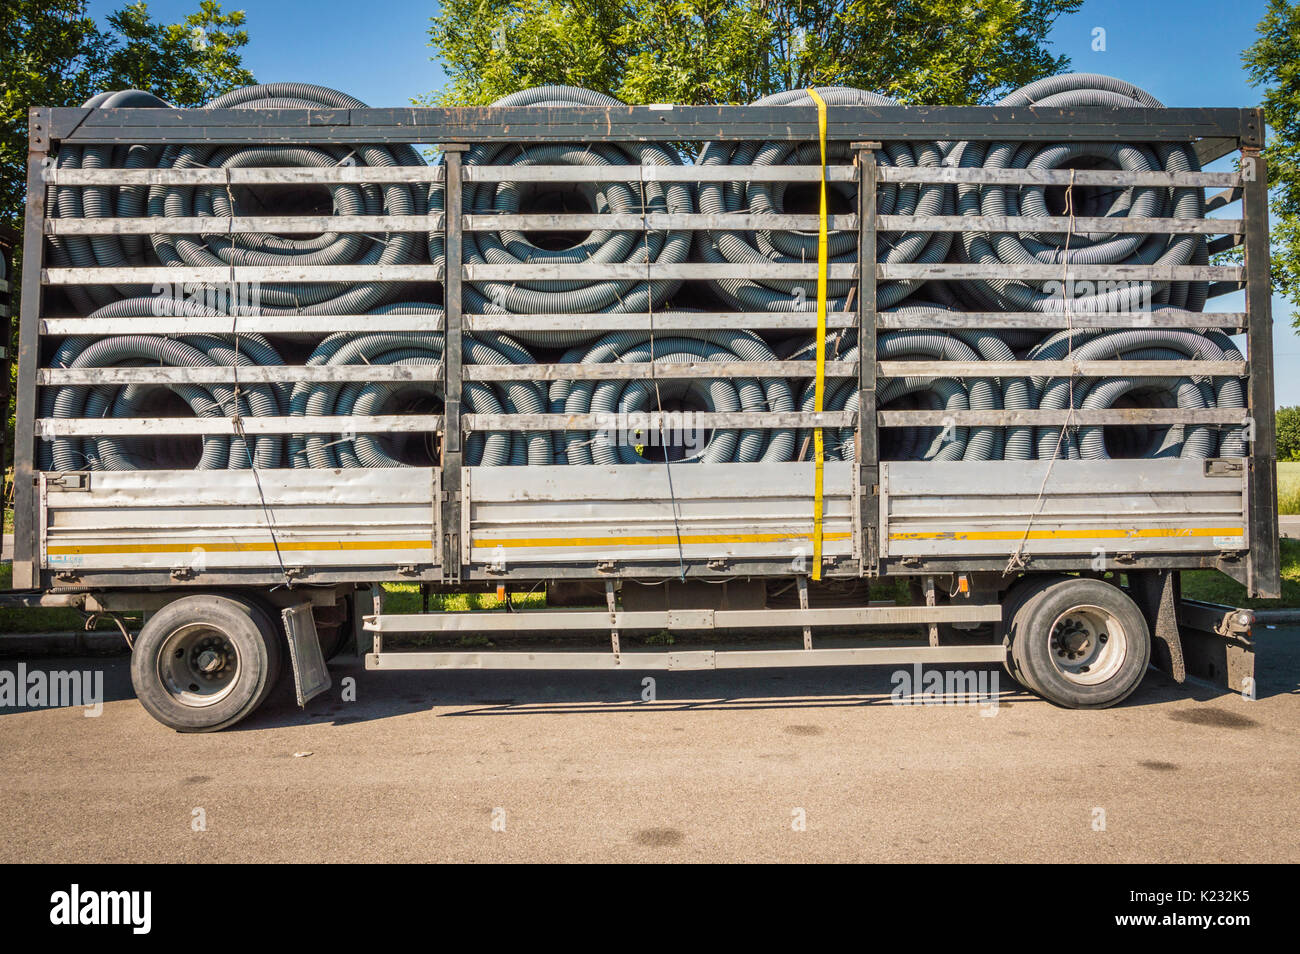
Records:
x=314, y=399
x=1080, y=89
x=634, y=396
x=765, y=246
x=508, y=246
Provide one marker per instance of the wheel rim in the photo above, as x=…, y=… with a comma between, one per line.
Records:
x=1087, y=645
x=198, y=664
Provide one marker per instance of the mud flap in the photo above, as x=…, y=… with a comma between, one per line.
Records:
x=1217, y=644
x=310, y=675
x=1155, y=593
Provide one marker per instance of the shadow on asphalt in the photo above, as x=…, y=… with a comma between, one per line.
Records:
x=487, y=693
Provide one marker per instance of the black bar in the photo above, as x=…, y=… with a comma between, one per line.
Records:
x=26, y=573
x=1263, y=565
x=641, y=123
x=453, y=221
x=868, y=442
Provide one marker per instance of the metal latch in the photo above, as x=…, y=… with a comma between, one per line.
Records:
x=1225, y=467
x=69, y=480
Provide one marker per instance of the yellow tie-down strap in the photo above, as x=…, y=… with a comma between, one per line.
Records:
x=819, y=386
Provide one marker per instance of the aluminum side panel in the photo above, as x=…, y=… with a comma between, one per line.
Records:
x=1085, y=508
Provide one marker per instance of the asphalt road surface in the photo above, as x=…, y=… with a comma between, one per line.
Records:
x=724, y=766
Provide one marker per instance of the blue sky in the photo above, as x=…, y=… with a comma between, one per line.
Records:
x=1184, y=52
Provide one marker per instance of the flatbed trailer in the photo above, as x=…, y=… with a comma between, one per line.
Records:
x=250, y=556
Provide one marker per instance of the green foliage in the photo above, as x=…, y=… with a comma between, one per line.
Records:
x=1288, y=433
x=1274, y=63
x=694, y=52
x=53, y=54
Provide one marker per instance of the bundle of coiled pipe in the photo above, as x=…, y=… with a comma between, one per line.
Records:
x=623, y=400
x=90, y=202
x=1080, y=248
x=418, y=348
x=224, y=249
x=208, y=452
x=915, y=393
x=1147, y=441
x=512, y=247
x=764, y=246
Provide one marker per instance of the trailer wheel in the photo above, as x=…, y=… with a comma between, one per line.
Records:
x=1080, y=643
x=204, y=662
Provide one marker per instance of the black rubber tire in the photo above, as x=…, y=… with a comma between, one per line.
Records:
x=1032, y=653
x=1022, y=592
x=246, y=625
x=268, y=620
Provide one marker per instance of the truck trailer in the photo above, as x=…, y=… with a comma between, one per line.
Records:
x=724, y=370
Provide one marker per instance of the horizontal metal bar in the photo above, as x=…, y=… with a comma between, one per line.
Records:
x=634, y=272
x=279, y=175
x=1083, y=417
x=244, y=324
x=655, y=221
x=1064, y=224
x=621, y=271
x=1025, y=369
x=739, y=221
x=685, y=619
x=637, y=174
x=359, y=424
x=244, y=224
x=222, y=275
x=328, y=324
x=661, y=321
x=224, y=374
x=1047, y=320
x=1062, y=273
x=652, y=421
x=689, y=660
x=1078, y=177
x=645, y=123
x=647, y=371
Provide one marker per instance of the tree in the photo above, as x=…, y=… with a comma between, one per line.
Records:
x=695, y=52
x=1288, y=433
x=52, y=53
x=1274, y=63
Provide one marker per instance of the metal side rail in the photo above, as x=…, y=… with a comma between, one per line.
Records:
x=679, y=619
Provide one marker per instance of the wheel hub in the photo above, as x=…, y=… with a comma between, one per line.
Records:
x=1087, y=645
x=199, y=665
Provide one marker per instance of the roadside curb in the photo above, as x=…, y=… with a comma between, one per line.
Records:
x=61, y=644
x=1277, y=616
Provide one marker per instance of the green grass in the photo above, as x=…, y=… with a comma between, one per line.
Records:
x=1214, y=587
x=405, y=598
x=9, y=521
x=1288, y=487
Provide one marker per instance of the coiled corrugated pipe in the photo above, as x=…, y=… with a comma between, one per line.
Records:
x=915, y=393
x=761, y=247
x=1191, y=441
x=635, y=396
x=1080, y=89
x=599, y=247
x=76, y=202
x=150, y=400
x=393, y=248
x=314, y=399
